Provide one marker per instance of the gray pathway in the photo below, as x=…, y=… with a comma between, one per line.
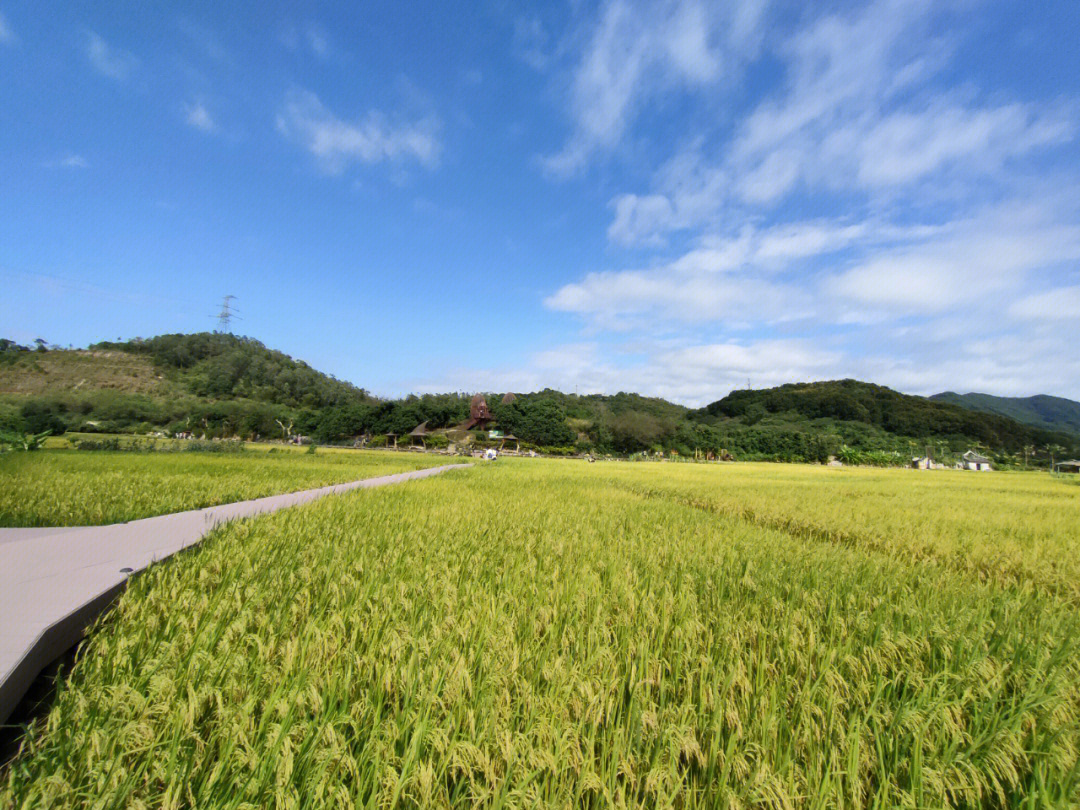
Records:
x=54, y=582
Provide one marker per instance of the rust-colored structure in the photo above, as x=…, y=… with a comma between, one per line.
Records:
x=480, y=415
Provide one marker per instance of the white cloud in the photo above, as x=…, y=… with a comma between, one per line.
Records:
x=636, y=52
x=531, y=42
x=69, y=161
x=859, y=115
x=197, y=115
x=729, y=279
x=7, y=36
x=697, y=373
x=1061, y=304
x=318, y=40
x=969, y=263
x=954, y=207
x=374, y=138
x=107, y=60
x=636, y=299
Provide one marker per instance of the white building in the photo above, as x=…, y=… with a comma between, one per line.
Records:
x=973, y=461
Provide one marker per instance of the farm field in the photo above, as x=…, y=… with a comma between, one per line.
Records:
x=86, y=488
x=550, y=633
x=1017, y=527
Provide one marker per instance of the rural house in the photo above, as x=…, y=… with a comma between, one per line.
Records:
x=1071, y=466
x=974, y=461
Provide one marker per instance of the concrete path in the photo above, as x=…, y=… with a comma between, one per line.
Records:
x=54, y=582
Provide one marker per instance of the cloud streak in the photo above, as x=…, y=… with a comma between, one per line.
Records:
x=7, y=36
x=107, y=60
x=637, y=51
x=198, y=116
x=374, y=138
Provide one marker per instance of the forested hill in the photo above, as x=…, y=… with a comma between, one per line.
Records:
x=880, y=407
x=219, y=385
x=1041, y=411
x=223, y=366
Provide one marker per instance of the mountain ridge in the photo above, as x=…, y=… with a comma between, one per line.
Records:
x=1040, y=410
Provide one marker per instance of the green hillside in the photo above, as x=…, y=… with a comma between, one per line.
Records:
x=853, y=407
x=220, y=385
x=1042, y=411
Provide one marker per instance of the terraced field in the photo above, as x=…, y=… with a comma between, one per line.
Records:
x=556, y=634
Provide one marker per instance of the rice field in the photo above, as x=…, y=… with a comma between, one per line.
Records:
x=80, y=488
x=555, y=634
x=1018, y=528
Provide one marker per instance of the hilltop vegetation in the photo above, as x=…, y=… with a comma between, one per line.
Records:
x=844, y=403
x=220, y=385
x=1041, y=411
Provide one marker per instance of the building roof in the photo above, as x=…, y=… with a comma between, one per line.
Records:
x=971, y=455
x=419, y=430
x=508, y=397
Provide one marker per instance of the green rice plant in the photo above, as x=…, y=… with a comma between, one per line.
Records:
x=543, y=634
x=78, y=488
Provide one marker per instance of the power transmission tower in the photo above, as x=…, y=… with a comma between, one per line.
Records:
x=227, y=314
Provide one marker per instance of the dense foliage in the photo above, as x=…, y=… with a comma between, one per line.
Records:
x=223, y=366
x=851, y=401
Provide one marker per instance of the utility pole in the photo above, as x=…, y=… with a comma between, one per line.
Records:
x=227, y=314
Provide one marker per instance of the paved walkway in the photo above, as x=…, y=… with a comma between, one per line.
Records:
x=54, y=582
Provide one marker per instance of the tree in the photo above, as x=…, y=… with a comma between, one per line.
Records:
x=539, y=421
x=1053, y=449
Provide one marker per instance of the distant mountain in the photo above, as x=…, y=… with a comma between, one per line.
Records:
x=852, y=401
x=1049, y=413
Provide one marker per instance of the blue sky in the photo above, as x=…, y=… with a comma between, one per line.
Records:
x=675, y=198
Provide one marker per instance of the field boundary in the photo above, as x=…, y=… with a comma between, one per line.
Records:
x=55, y=582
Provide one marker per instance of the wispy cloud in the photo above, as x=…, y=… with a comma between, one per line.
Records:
x=951, y=260
x=311, y=37
x=70, y=160
x=531, y=42
x=7, y=36
x=863, y=113
x=198, y=116
x=1061, y=304
x=969, y=266
x=637, y=51
x=107, y=60
x=318, y=40
x=374, y=138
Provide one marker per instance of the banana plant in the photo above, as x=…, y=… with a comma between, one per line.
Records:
x=27, y=442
